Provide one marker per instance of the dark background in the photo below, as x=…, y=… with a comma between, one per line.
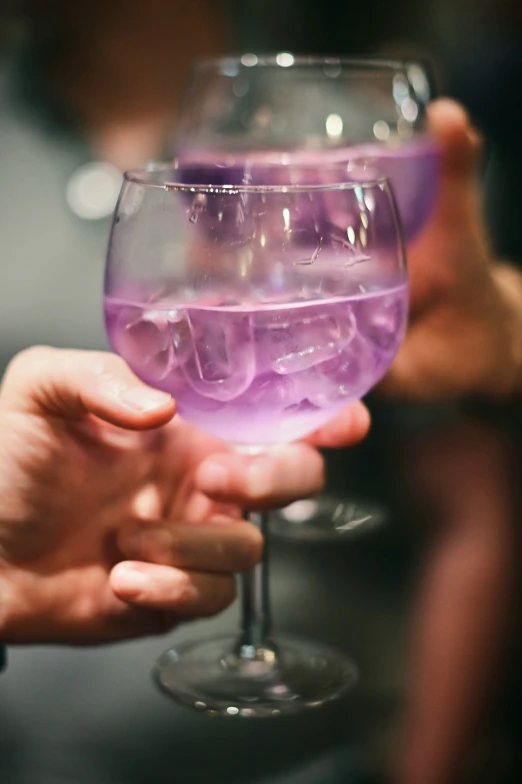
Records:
x=88, y=717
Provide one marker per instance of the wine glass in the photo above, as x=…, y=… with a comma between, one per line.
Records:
x=423, y=80
x=264, y=310
x=314, y=114
x=370, y=113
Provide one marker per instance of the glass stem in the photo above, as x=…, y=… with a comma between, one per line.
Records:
x=255, y=599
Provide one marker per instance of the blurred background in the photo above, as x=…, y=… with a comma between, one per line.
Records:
x=88, y=89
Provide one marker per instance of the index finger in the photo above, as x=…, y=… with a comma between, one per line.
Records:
x=281, y=474
x=269, y=480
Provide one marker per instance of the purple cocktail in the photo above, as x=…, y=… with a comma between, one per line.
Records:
x=411, y=167
x=261, y=375
x=264, y=310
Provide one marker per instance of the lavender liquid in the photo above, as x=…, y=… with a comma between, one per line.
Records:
x=412, y=168
x=261, y=374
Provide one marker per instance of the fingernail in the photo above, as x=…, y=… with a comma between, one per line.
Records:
x=131, y=581
x=213, y=478
x=144, y=399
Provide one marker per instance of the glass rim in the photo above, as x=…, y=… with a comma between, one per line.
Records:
x=143, y=177
x=285, y=59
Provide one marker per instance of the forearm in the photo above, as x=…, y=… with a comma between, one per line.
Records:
x=461, y=622
x=463, y=610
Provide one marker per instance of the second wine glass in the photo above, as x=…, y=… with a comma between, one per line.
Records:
x=312, y=111
x=312, y=116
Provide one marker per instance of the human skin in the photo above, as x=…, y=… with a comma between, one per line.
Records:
x=118, y=519
x=465, y=333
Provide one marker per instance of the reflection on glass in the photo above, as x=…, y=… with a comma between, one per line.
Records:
x=264, y=310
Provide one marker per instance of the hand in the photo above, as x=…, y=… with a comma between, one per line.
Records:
x=93, y=472
x=465, y=331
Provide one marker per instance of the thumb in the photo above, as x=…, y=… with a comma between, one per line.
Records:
x=458, y=206
x=72, y=384
x=459, y=143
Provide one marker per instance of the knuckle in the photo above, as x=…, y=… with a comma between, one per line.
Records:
x=85, y=609
x=261, y=478
x=173, y=546
x=165, y=546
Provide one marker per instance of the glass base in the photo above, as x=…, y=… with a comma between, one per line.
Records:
x=326, y=518
x=287, y=675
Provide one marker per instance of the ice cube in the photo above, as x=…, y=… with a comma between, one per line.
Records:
x=180, y=335
x=273, y=391
x=302, y=247
x=198, y=206
x=298, y=338
x=143, y=339
x=221, y=361
x=342, y=379
x=382, y=319
x=344, y=244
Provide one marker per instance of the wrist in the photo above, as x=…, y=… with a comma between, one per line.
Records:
x=508, y=283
